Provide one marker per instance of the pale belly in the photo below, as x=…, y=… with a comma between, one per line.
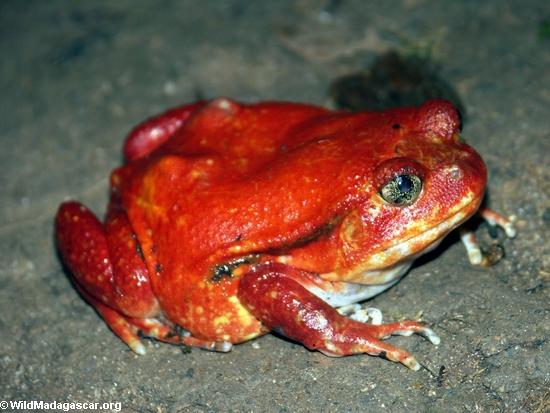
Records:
x=338, y=294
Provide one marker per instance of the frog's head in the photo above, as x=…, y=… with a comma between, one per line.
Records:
x=425, y=183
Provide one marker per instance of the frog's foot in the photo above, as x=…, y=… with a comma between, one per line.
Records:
x=475, y=255
x=358, y=313
x=273, y=294
x=119, y=324
x=150, y=327
x=129, y=329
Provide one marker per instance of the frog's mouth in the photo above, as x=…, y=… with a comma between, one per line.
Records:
x=387, y=267
x=391, y=263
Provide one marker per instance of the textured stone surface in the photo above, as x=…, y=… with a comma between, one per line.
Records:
x=76, y=76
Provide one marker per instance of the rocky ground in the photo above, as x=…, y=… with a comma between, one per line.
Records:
x=76, y=76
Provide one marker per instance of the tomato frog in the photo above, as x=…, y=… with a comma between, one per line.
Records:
x=230, y=220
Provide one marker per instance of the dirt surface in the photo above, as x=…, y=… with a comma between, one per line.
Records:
x=76, y=76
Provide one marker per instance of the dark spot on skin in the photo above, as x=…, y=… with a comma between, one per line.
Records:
x=139, y=252
x=220, y=271
x=158, y=267
x=317, y=233
x=226, y=269
x=396, y=126
x=383, y=354
x=239, y=237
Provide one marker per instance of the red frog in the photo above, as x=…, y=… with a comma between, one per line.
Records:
x=229, y=220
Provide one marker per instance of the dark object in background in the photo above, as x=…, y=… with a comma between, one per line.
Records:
x=544, y=29
x=393, y=80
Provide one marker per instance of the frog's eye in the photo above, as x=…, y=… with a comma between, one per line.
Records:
x=402, y=190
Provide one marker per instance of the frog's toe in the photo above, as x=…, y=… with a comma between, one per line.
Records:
x=349, y=309
x=405, y=328
x=364, y=315
x=411, y=363
x=217, y=346
x=475, y=256
x=375, y=315
x=373, y=347
x=495, y=219
x=425, y=332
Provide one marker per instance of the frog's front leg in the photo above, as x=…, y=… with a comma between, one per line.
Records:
x=494, y=219
x=273, y=293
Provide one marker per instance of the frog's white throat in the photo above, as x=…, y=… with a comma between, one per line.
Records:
x=344, y=293
x=337, y=293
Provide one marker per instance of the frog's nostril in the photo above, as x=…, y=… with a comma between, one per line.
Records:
x=455, y=172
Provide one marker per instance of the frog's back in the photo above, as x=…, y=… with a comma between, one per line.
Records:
x=228, y=161
x=245, y=137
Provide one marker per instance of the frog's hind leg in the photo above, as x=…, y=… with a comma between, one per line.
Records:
x=275, y=296
x=108, y=270
x=116, y=292
x=131, y=279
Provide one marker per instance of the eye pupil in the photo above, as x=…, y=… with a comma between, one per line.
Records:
x=402, y=190
x=404, y=183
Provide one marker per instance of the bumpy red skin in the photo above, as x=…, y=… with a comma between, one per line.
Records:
x=209, y=183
